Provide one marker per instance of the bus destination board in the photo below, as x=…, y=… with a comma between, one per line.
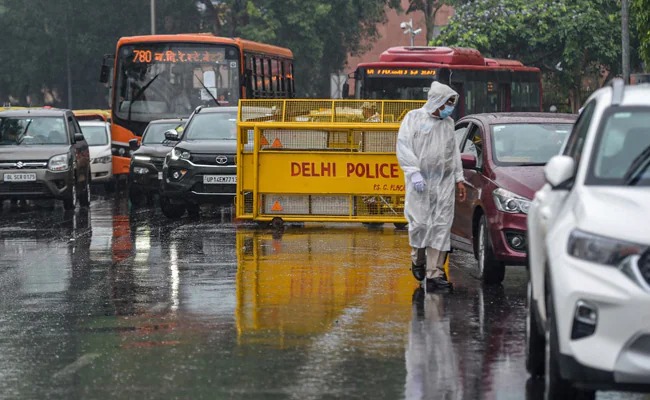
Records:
x=177, y=56
x=401, y=72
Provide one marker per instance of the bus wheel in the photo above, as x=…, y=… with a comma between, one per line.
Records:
x=400, y=226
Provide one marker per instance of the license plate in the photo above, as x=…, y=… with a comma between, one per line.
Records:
x=20, y=177
x=160, y=175
x=214, y=179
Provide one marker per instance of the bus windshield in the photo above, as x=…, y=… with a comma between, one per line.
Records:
x=168, y=80
x=396, y=88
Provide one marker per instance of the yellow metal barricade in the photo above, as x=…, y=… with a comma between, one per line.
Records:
x=320, y=160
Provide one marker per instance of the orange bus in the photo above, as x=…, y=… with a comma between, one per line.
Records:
x=484, y=84
x=168, y=76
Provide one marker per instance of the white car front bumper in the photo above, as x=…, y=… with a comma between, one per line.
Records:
x=620, y=345
x=101, y=173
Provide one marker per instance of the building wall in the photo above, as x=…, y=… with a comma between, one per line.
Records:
x=391, y=35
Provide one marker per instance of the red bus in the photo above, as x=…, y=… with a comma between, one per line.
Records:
x=168, y=76
x=484, y=84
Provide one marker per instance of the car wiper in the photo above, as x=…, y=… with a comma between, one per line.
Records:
x=140, y=93
x=22, y=137
x=535, y=164
x=639, y=165
x=206, y=89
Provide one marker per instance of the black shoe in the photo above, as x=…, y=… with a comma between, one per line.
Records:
x=437, y=285
x=419, y=271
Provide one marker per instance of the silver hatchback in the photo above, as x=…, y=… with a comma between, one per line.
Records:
x=43, y=154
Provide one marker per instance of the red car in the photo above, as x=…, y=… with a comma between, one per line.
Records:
x=503, y=156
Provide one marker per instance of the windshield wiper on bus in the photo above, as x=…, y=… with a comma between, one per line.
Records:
x=140, y=93
x=637, y=168
x=206, y=89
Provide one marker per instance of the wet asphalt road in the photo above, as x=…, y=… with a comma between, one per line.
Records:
x=114, y=303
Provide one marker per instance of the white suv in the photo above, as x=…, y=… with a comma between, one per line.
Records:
x=588, y=325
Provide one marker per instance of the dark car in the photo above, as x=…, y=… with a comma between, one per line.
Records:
x=145, y=171
x=43, y=154
x=202, y=166
x=503, y=156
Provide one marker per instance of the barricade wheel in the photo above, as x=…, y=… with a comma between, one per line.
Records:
x=277, y=223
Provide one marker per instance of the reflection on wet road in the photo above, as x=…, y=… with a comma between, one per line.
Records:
x=109, y=303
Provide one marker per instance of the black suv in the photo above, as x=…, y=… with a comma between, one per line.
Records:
x=43, y=154
x=145, y=172
x=202, y=166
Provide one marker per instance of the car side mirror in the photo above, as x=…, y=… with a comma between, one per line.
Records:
x=133, y=144
x=78, y=137
x=103, y=73
x=468, y=161
x=559, y=170
x=172, y=134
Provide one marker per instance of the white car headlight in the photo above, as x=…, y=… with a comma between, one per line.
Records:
x=59, y=163
x=600, y=249
x=102, y=160
x=142, y=158
x=180, y=154
x=509, y=202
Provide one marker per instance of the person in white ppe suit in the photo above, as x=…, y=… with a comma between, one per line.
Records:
x=429, y=156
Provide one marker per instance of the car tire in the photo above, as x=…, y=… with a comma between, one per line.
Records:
x=556, y=387
x=137, y=198
x=535, y=343
x=492, y=272
x=193, y=210
x=70, y=200
x=170, y=210
x=84, y=195
x=109, y=187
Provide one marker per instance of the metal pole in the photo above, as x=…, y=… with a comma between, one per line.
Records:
x=69, y=73
x=153, y=17
x=411, y=31
x=625, y=20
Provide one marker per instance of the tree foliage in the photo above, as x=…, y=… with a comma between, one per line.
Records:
x=640, y=16
x=430, y=9
x=566, y=38
x=321, y=33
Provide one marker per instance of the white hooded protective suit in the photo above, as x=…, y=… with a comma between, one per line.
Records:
x=426, y=144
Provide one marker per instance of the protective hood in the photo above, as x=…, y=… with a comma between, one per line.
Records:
x=438, y=95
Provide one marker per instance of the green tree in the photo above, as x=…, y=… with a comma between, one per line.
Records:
x=430, y=9
x=640, y=16
x=50, y=46
x=567, y=39
x=320, y=33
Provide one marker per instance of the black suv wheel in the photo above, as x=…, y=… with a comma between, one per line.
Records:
x=171, y=210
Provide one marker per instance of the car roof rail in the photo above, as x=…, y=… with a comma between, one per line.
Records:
x=618, y=89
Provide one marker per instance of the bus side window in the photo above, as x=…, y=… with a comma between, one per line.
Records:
x=281, y=76
x=275, y=71
x=248, y=76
